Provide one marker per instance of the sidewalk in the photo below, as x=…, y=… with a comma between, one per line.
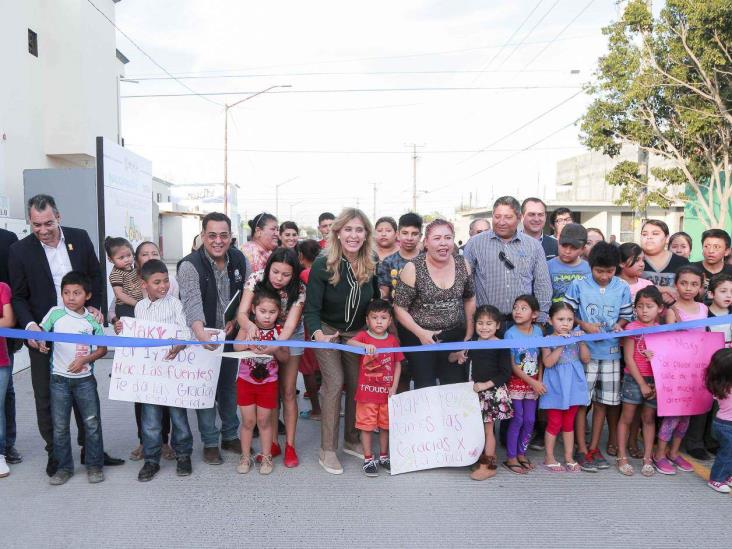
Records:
x=306, y=506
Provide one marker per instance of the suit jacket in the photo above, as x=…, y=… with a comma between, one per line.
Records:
x=30, y=275
x=551, y=247
x=7, y=239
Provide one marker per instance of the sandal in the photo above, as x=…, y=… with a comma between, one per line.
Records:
x=555, y=467
x=514, y=468
x=648, y=470
x=624, y=468
x=526, y=463
x=612, y=449
x=573, y=467
x=635, y=452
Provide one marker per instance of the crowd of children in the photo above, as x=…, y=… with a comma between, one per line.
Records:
x=608, y=290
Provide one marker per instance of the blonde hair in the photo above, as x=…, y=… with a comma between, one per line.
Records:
x=364, y=267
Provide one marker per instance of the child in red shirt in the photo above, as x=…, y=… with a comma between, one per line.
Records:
x=378, y=378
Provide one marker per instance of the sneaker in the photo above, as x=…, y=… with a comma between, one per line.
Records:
x=136, y=454
x=291, y=457
x=682, y=464
x=329, y=461
x=355, y=450
x=60, y=477
x=245, y=464
x=212, y=456
x=664, y=466
x=148, y=471
x=537, y=443
x=586, y=463
x=4, y=469
x=370, y=469
x=183, y=468
x=12, y=456
x=385, y=462
x=598, y=459
x=267, y=466
x=51, y=466
x=95, y=475
x=721, y=487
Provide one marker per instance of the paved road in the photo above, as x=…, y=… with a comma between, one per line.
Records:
x=308, y=507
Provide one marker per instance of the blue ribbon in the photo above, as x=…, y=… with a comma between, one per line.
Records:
x=523, y=342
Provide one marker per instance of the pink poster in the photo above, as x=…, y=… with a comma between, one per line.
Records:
x=679, y=361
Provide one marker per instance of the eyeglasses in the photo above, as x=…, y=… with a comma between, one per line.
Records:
x=507, y=262
x=222, y=236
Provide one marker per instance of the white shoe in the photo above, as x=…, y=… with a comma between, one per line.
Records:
x=4, y=469
x=329, y=461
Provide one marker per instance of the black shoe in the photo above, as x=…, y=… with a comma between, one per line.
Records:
x=255, y=433
x=370, y=469
x=699, y=453
x=52, y=466
x=233, y=445
x=109, y=461
x=385, y=462
x=184, y=467
x=281, y=428
x=148, y=471
x=12, y=456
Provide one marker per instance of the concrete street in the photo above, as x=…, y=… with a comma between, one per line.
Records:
x=307, y=507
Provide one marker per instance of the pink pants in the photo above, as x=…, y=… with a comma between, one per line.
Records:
x=560, y=420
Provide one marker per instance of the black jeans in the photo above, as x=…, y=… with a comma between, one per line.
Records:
x=700, y=435
x=429, y=367
x=41, y=380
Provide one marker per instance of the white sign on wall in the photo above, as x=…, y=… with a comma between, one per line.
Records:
x=141, y=374
x=435, y=427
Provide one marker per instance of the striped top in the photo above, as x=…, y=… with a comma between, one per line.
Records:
x=499, y=285
x=168, y=309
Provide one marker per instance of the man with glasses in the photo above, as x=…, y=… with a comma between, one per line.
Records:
x=533, y=211
x=507, y=263
x=209, y=278
x=560, y=218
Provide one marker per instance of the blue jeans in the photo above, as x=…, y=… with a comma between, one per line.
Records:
x=226, y=404
x=181, y=438
x=6, y=378
x=722, y=468
x=81, y=391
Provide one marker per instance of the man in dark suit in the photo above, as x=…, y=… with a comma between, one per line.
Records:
x=533, y=211
x=12, y=456
x=37, y=264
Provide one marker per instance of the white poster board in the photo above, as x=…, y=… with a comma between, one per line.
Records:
x=141, y=374
x=435, y=427
x=127, y=197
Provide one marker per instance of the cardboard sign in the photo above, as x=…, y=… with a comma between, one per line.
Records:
x=679, y=361
x=141, y=374
x=435, y=427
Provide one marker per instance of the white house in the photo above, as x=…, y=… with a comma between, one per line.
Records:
x=60, y=90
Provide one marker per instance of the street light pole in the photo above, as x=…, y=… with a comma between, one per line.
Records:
x=277, y=195
x=226, y=139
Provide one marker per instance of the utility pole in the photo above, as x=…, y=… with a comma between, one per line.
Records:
x=414, y=174
x=226, y=139
x=374, y=185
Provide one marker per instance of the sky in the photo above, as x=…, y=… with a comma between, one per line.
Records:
x=487, y=90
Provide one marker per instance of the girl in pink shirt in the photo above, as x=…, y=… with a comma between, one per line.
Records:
x=718, y=380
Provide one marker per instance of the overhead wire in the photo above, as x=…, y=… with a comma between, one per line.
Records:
x=531, y=31
x=150, y=57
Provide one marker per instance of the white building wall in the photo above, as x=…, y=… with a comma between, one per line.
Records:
x=59, y=102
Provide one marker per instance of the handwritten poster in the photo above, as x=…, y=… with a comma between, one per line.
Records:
x=141, y=374
x=435, y=427
x=679, y=361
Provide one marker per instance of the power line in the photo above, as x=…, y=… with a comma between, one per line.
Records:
x=143, y=52
x=335, y=152
x=539, y=22
x=341, y=73
x=376, y=58
x=515, y=32
x=523, y=126
x=362, y=90
x=583, y=10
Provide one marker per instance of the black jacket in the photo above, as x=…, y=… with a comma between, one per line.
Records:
x=238, y=268
x=7, y=239
x=550, y=246
x=30, y=275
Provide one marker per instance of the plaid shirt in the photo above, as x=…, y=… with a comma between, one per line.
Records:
x=496, y=284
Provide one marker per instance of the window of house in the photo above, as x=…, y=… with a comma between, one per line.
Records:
x=627, y=231
x=32, y=43
x=158, y=197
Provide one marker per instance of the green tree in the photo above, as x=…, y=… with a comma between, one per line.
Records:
x=665, y=86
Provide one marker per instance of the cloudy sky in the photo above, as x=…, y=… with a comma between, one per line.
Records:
x=485, y=88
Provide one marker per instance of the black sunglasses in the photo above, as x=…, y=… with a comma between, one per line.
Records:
x=507, y=262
